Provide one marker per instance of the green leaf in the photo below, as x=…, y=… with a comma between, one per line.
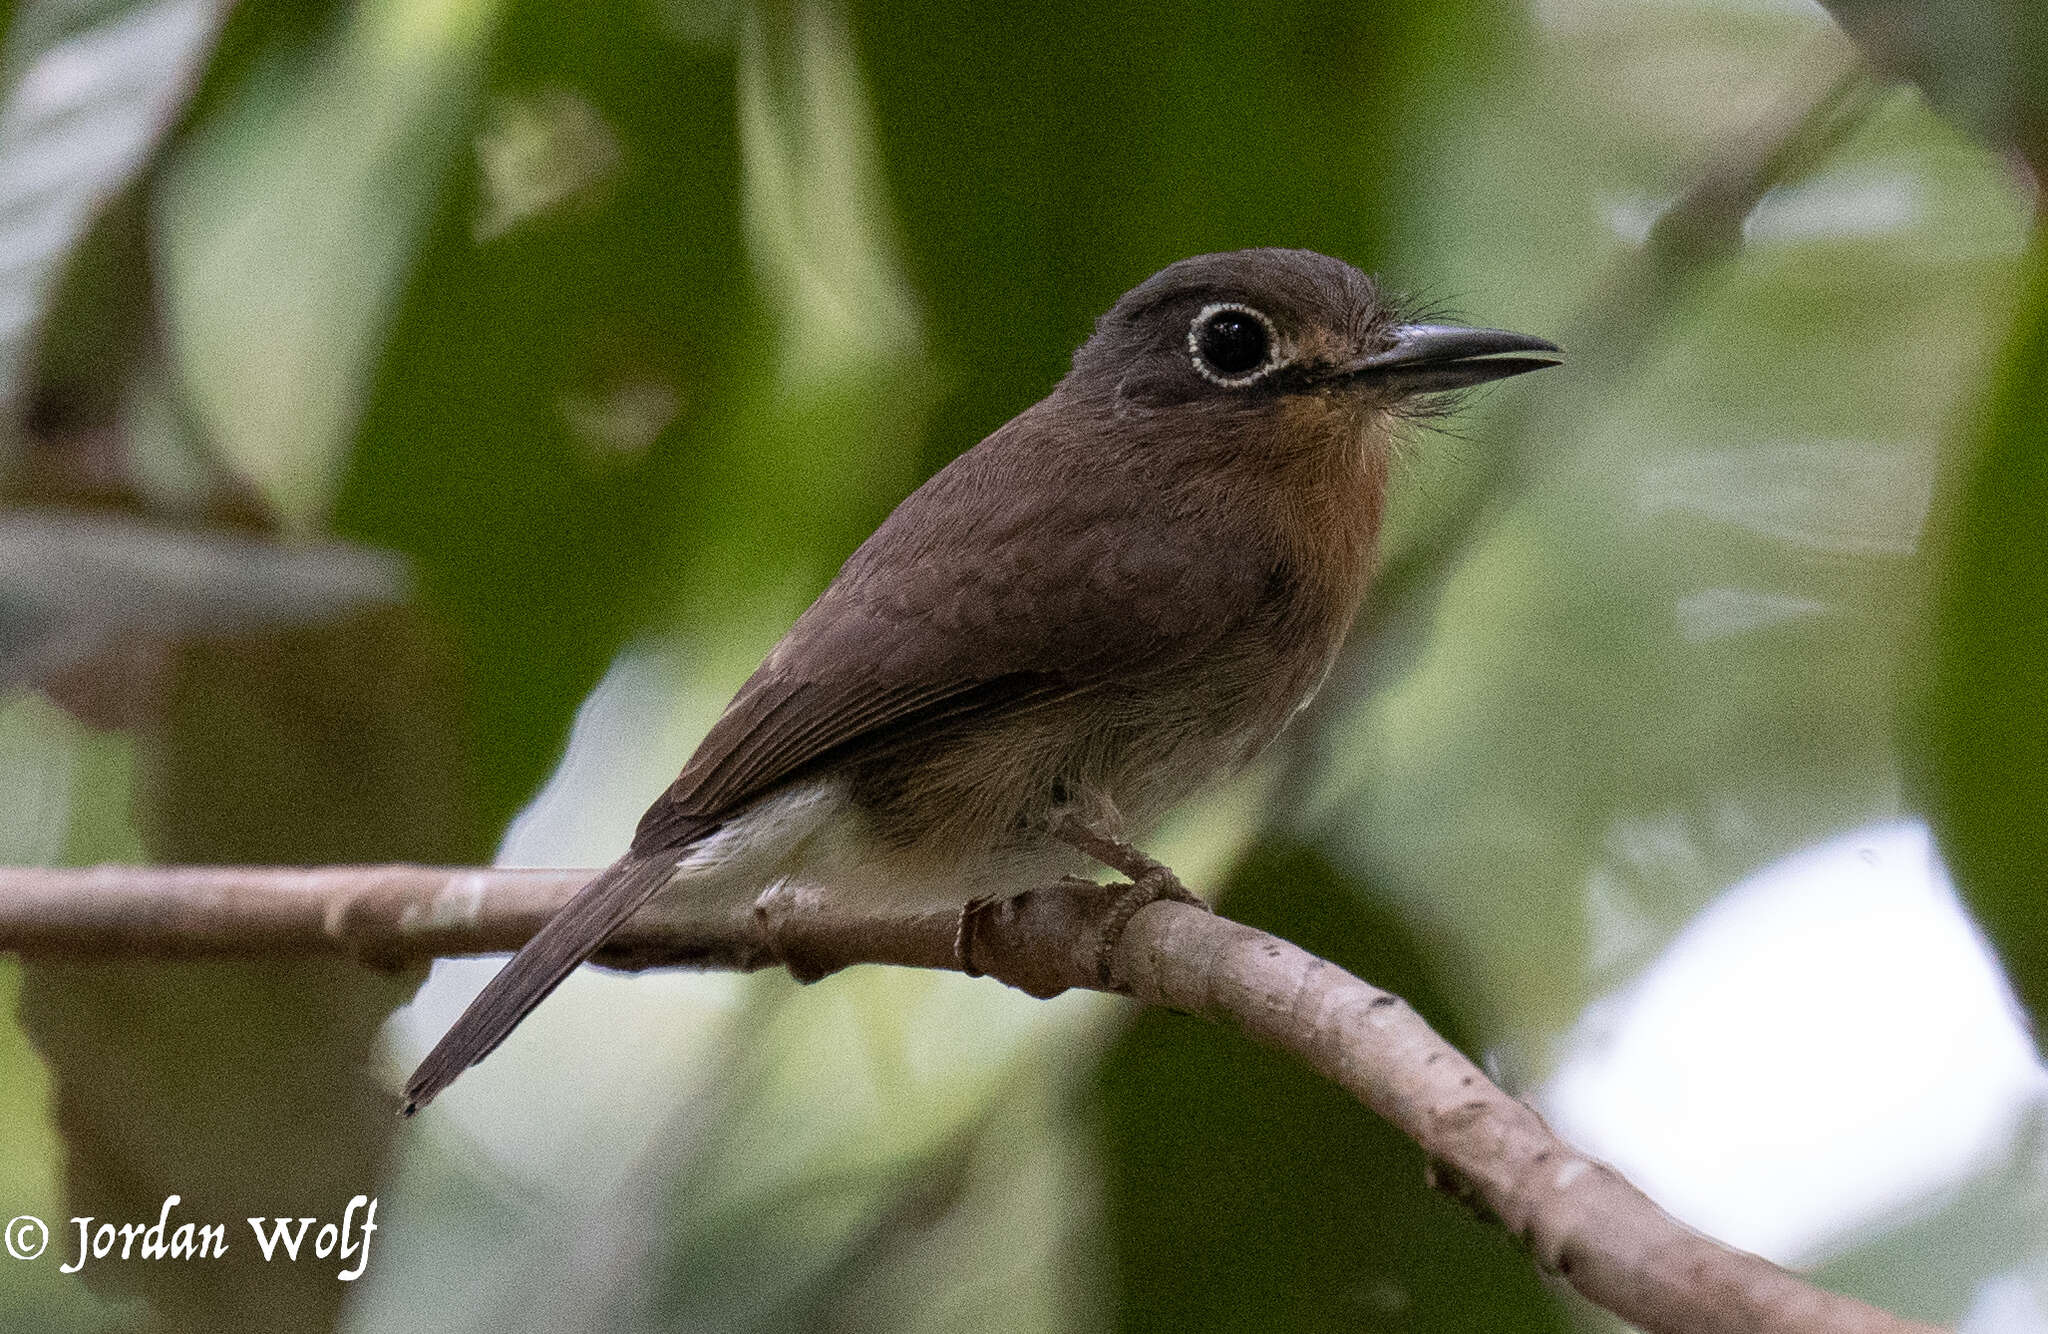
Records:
x=288, y=220
x=91, y=88
x=1045, y=158
x=572, y=325
x=1982, y=753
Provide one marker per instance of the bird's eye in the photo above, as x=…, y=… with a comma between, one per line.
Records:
x=1231, y=345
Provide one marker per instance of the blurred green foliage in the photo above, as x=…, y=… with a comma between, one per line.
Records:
x=521, y=437
x=392, y=366
x=1008, y=139
x=1272, y=1200
x=1979, y=749
x=1985, y=754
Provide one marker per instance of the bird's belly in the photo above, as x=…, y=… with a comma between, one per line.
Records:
x=984, y=798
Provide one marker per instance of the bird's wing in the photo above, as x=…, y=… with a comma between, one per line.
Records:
x=980, y=595
x=963, y=606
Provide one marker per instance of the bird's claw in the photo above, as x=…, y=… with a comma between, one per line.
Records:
x=963, y=935
x=1150, y=886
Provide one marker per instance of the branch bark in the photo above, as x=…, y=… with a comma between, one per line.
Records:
x=1580, y=1218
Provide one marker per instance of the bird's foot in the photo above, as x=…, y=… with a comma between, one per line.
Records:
x=1109, y=909
x=1150, y=881
x=1145, y=889
x=1023, y=934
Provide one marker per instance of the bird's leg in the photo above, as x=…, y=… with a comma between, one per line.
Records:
x=1150, y=880
x=1089, y=808
x=1086, y=820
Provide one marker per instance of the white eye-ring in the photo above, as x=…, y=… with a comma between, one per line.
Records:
x=1232, y=344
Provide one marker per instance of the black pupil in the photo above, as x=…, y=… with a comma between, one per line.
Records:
x=1232, y=342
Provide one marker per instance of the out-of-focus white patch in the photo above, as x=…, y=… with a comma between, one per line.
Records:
x=1568, y=16
x=1835, y=204
x=1630, y=217
x=2007, y=1304
x=1827, y=1044
x=1720, y=613
x=626, y=746
x=538, y=153
x=1855, y=496
x=1618, y=930
x=1621, y=929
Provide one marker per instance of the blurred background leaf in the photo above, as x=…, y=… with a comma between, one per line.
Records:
x=1668, y=654
x=1985, y=743
x=1042, y=158
x=245, y=1088
x=1985, y=62
x=91, y=87
x=1272, y=1199
x=569, y=323
x=287, y=219
x=149, y=579
x=70, y=583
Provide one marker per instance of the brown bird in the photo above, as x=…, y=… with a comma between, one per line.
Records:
x=1116, y=599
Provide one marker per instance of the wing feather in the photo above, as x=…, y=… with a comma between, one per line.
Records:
x=961, y=605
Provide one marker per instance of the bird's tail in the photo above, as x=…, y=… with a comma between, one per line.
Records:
x=570, y=937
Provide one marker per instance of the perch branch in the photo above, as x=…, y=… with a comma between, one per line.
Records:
x=1582, y=1220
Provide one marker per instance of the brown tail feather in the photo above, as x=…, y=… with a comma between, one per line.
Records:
x=570, y=937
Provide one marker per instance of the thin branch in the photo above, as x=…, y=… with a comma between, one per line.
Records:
x=1579, y=1217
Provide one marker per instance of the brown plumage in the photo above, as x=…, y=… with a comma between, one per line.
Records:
x=1117, y=598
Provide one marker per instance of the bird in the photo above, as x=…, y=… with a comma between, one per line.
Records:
x=1116, y=599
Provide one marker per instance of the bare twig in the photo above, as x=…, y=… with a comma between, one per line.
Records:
x=1582, y=1220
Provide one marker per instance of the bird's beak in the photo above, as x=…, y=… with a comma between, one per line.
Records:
x=1425, y=358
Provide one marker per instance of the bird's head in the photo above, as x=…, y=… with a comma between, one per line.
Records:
x=1292, y=340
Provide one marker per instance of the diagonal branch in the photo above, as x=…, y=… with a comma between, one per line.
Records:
x=1582, y=1220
